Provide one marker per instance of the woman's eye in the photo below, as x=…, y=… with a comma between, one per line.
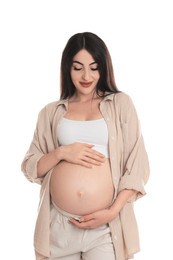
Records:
x=94, y=68
x=75, y=68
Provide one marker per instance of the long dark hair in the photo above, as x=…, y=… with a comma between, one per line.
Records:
x=99, y=51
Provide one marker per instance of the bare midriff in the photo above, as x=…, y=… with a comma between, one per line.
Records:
x=80, y=190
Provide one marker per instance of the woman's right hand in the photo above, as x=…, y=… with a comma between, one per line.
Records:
x=82, y=154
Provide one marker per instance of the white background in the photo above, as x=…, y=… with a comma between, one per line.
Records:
x=33, y=34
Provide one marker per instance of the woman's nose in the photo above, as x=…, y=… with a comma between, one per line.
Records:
x=86, y=75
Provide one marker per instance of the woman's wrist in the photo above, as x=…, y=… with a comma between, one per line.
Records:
x=114, y=210
x=59, y=153
x=120, y=201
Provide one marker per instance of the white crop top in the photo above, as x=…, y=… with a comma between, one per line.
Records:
x=93, y=132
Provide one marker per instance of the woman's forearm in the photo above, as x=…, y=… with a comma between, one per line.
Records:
x=77, y=153
x=121, y=200
x=48, y=161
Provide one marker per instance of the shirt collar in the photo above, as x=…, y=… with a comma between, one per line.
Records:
x=65, y=101
x=108, y=97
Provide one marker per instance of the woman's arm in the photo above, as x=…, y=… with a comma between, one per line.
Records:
x=47, y=162
x=104, y=216
x=120, y=201
x=77, y=153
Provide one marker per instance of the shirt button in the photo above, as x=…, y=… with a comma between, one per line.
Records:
x=112, y=137
x=108, y=118
x=115, y=237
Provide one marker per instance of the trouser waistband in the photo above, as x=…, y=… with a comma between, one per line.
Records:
x=65, y=213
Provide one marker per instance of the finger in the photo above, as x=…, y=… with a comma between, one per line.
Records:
x=88, y=145
x=76, y=223
x=92, y=157
x=95, y=153
x=89, y=162
x=85, y=164
x=82, y=225
x=87, y=218
x=94, y=162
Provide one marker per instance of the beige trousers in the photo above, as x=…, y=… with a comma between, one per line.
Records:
x=68, y=242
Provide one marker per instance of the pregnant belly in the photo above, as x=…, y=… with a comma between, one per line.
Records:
x=80, y=190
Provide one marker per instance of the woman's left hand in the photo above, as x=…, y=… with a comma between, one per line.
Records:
x=94, y=220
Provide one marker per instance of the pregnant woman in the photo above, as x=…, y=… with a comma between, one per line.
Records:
x=89, y=156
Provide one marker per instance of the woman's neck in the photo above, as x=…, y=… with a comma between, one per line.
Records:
x=82, y=98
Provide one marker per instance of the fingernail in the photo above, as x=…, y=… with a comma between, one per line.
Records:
x=69, y=220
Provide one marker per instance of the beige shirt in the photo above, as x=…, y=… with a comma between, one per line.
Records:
x=128, y=159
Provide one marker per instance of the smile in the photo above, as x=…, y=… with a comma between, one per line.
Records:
x=86, y=84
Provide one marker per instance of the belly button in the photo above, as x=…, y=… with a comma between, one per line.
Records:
x=80, y=194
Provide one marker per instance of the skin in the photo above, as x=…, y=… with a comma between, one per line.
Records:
x=85, y=76
x=84, y=70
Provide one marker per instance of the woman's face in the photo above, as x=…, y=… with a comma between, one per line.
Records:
x=84, y=73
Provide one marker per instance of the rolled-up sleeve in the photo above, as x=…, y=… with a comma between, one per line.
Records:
x=30, y=161
x=38, y=148
x=135, y=160
x=29, y=167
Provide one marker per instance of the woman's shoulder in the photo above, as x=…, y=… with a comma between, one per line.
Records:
x=120, y=99
x=53, y=105
x=123, y=104
x=50, y=108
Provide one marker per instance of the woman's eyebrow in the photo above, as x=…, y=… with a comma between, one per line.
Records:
x=75, y=61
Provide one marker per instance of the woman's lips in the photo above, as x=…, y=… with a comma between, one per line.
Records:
x=86, y=84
